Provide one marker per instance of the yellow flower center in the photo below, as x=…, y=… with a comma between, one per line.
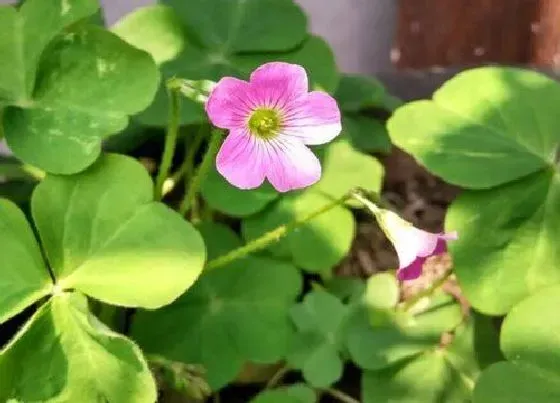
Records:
x=265, y=123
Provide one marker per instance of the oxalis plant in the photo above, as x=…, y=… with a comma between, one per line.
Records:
x=117, y=285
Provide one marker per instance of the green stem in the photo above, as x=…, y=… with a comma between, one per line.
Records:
x=427, y=292
x=273, y=236
x=340, y=396
x=188, y=163
x=205, y=165
x=372, y=201
x=170, y=141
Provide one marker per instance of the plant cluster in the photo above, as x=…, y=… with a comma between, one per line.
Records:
x=121, y=286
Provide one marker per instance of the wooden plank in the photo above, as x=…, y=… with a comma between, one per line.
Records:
x=465, y=32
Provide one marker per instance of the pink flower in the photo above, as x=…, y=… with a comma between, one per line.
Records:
x=413, y=245
x=270, y=120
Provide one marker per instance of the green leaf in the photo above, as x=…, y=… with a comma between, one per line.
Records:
x=228, y=199
x=346, y=288
x=529, y=340
x=366, y=133
x=356, y=93
x=232, y=38
x=376, y=343
x=189, y=64
x=508, y=237
x=427, y=378
x=314, y=246
x=105, y=237
x=292, y=394
x=317, y=346
x=89, y=82
x=440, y=374
x=33, y=364
x=65, y=355
x=194, y=63
x=315, y=55
x=483, y=128
x=154, y=29
x=219, y=239
x=222, y=321
x=231, y=26
x=345, y=168
x=25, y=34
x=24, y=278
x=382, y=292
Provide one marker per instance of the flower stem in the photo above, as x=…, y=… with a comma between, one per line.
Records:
x=340, y=396
x=273, y=236
x=205, y=165
x=427, y=292
x=170, y=141
x=184, y=171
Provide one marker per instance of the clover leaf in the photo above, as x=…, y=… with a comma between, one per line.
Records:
x=314, y=54
x=243, y=25
x=226, y=198
x=222, y=321
x=483, y=128
x=494, y=131
x=313, y=245
x=63, y=354
x=101, y=229
x=529, y=340
x=376, y=339
x=357, y=93
x=103, y=237
x=291, y=394
x=357, y=96
x=74, y=88
x=155, y=29
x=24, y=277
x=509, y=236
x=227, y=38
x=319, y=341
x=443, y=373
x=24, y=35
x=345, y=168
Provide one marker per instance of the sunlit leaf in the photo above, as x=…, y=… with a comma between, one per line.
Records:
x=529, y=340
x=88, y=83
x=24, y=277
x=65, y=355
x=104, y=236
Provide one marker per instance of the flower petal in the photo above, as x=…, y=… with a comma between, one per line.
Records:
x=230, y=103
x=412, y=271
x=409, y=242
x=443, y=238
x=291, y=164
x=315, y=118
x=242, y=160
x=277, y=84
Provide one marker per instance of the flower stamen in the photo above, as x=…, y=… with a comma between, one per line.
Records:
x=265, y=123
